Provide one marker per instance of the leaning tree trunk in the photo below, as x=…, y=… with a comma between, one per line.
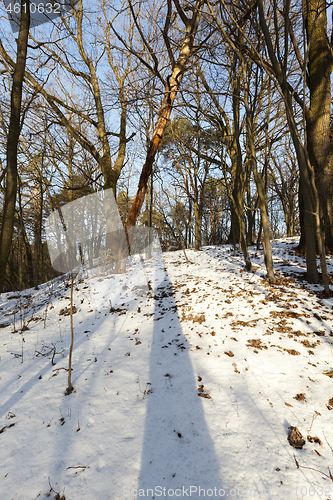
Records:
x=171, y=89
x=12, y=142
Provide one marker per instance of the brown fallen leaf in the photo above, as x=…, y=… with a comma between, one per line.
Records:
x=295, y=438
x=204, y=395
x=292, y=352
x=245, y=323
x=256, y=343
x=312, y=439
x=300, y=397
x=199, y=318
x=67, y=310
x=287, y=404
x=308, y=344
x=229, y=353
x=6, y=427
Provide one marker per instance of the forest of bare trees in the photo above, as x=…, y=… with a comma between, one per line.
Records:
x=210, y=120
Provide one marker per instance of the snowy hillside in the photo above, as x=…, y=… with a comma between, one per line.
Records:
x=188, y=390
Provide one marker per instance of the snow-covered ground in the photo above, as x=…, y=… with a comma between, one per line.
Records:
x=187, y=390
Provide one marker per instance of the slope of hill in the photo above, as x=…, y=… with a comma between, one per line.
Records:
x=187, y=390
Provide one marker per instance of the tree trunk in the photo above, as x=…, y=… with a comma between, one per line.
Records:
x=12, y=141
x=25, y=242
x=171, y=90
x=38, y=236
x=265, y=222
x=238, y=174
x=197, y=225
x=318, y=117
x=189, y=243
x=304, y=165
x=259, y=182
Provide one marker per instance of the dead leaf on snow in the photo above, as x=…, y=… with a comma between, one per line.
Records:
x=310, y=345
x=67, y=310
x=199, y=318
x=292, y=352
x=256, y=343
x=245, y=323
x=300, y=397
x=6, y=427
x=320, y=333
x=314, y=440
x=295, y=438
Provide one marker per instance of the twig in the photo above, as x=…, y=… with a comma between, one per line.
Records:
x=316, y=470
x=313, y=418
x=54, y=491
x=22, y=348
x=70, y=388
x=47, y=305
x=6, y=427
x=78, y=467
x=54, y=353
x=328, y=442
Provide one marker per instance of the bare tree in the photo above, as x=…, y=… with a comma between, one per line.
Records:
x=12, y=141
x=178, y=64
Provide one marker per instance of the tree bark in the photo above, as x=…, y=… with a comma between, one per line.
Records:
x=318, y=116
x=12, y=141
x=26, y=244
x=197, y=225
x=259, y=182
x=238, y=174
x=304, y=165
